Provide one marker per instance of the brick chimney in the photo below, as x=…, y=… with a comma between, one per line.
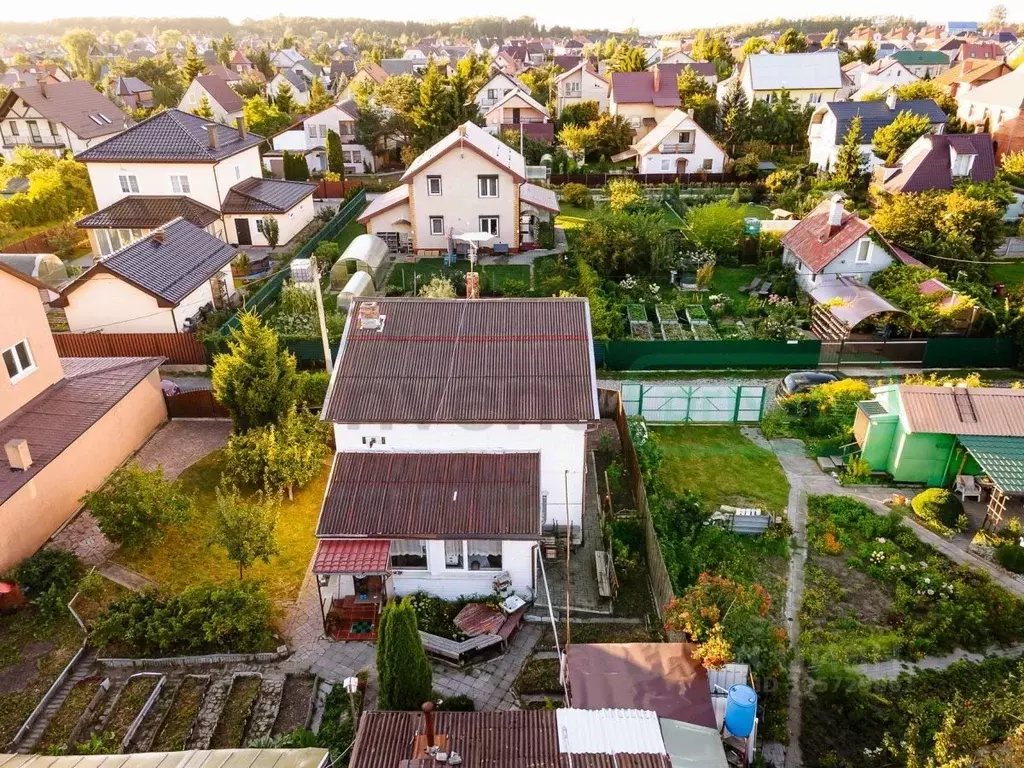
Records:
x=657, y=79
x=242, y=132
x=18, y=454
x=158, y=236
x=42, y=88
x=428, y=722
x=211, y=133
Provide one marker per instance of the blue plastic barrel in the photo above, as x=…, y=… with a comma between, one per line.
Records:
x=740, y=710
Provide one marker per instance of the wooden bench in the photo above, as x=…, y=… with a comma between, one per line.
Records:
x=604, y=574
x=454, y=650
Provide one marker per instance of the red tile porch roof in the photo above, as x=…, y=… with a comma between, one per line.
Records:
x=352, y=556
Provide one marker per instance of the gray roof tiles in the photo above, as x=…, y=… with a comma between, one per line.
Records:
x=877, y=114
x=266, y=196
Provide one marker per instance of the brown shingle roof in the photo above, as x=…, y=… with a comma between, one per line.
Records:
x=931, y=168
x=85, y=111
x=433, y=495
x=984, y=410
x=266, y=196
x=55, y=418
x=482, y=361
x=145, y=211
x=811, y=243
x=221, y=92
x=659, y=86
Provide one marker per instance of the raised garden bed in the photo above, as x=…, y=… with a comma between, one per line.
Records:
x=234, y=717
x=62, y=724
x=672, y=331
x=539, y=676
x=704, y=332
x=295, y=704
x=176, y=727
x=129, y=702
x=695, y=315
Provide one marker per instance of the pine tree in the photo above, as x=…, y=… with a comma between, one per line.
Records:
x=734, y=110
x=204, y=109
x=404, y=674
x=193, y=65
x=319, y=98
x=433, y=115
x=285, y=99
x=849, y=165
x=225, y=50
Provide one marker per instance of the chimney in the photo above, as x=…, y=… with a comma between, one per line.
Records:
x=158, y=236
x=369, y=316
x=472, y=285
x=428, y=719
x=211, y=132
x=689, y=113
x=657, y=79
x=835, y=215
x=42, y=88
x=890, y=99
x=18, y=455
x=242, y=133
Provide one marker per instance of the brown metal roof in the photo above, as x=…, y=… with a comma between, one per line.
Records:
x=433, y=495
x=352, y=556
x=145, y=211
x=76, y=104
x=662, y=677
x=510, y=739
x=463, y=361
x=55, y=418
x=964, y=410
x=266, y=196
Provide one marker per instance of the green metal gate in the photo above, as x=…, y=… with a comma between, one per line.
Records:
x=676, y=403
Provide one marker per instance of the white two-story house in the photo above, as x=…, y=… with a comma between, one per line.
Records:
x=58, y=116
x=579, y=84
x=308, y=137
x=831, y=242
x=467, y=182
x=809, y=78
x=495, y=89
x=178, y=165
x=460, y=428
x=225, y=104
x=678, y=145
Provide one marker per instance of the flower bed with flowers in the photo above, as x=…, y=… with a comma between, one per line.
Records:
x=934, y=606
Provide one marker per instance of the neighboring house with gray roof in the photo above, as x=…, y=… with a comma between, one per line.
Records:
x=225, y=103
x=299, y=85
x=831, y=121
x=308, y=137
x=156, y=284
x=178, y=155
x=133, y=93
x=57, y=116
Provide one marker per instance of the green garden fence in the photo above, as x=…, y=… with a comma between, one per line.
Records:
x=958, y=352
x=702, y=403
x=727, y=353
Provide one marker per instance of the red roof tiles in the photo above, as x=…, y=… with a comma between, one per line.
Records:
x=811, y=242
x=352, y=556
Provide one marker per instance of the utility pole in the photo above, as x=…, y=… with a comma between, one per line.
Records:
x=320, y=313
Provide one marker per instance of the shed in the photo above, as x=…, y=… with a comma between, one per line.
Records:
x=44, y=267
x=368, y=249
x=360, y=284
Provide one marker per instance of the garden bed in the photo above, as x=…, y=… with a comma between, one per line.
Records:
x=495, y=279
x=539, y=676
x=61, y=726
x=234, y=717
x=295, y=702
x=174, y=732
x=129, y=703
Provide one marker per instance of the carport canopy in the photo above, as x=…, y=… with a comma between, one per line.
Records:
x=352, y=556
x=850, y=301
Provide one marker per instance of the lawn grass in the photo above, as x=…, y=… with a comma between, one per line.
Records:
x=720, y=466
x=728, y=280
x=183, y=557
x=492, y=276
x=350, y=232
x=572, y=217
x=755, y=211
x=1010, y=272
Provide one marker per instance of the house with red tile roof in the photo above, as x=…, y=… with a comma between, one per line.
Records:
x=460, y=427
x=65, y=423
x=831, y=242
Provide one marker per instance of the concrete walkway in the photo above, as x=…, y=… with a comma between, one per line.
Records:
x=892, y=669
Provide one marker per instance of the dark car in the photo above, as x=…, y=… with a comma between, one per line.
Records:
x=801, y=381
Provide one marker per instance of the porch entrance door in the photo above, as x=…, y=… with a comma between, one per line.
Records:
x=242, y=232
x=515, y=116
x=368, y=588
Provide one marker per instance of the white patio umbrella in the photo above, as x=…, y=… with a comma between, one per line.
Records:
x=474, y=239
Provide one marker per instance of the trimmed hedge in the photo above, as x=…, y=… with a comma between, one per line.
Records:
x=938, y=505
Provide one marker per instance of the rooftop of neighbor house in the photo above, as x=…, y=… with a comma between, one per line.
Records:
x=411, y=360
x=172, y=136
x=60, y=414
x=221, y=92
x=1006, y=91
x=127, y=85
x=514, y=739
x=928, y=163
x=76, y=104
x=437, y=495
x=970, y=70
x=817, y=240
x=911, y=58
x=878, y=114
x=198, y=758
x=658, y=86
x=146, y=211
x=266, y=196
x=473, y=137
x=168, y=263
x=794, y=71
x=992, y=411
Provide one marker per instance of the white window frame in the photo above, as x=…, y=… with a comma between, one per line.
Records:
x=863, y=249
x=666, y=165
x=485, y=226
x=484, y=185
x=436, y=231
x=22, y=370
x=14, y=127
x=180, y=184
x=398, y=543
x=686, y=137
x=323, y=131
x=707, y=164
x=430, y=190
x=312, y=131
x=129, y=183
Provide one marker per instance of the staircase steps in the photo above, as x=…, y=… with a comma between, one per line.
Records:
x=265, y=711
x=29, y=742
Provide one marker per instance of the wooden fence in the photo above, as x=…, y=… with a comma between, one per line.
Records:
x=657, y=571
x=178, y=348
x=197, y=404
x=38, y=243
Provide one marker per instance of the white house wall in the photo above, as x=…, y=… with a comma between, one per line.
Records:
x=562, y=449
x=231, y=170
x=153, y=179
x=516, y=560
x=107, y=304
x=193, y=97
x=288, y=224
x=844, y=265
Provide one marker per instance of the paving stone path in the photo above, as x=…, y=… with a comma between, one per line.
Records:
x=892, y=669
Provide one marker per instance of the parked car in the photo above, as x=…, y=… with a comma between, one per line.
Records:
x=801, y=381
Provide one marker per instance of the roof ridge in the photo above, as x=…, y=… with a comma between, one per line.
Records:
x=205, y=150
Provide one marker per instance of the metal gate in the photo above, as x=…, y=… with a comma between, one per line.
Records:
x=675, y=403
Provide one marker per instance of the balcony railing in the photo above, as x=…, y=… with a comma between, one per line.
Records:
x=33, y=141
x=677, y=149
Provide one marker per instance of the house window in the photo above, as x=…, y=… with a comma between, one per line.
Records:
x=192, y=98
x=437, y=225
x=544, y=508
x=769, y=98
x=814, y=98
x=492, y=94
x=685, y=137
x=455, y=555
x=487, y=186
x=323, y=131
x=707, y=164
x=238, y=173
x=489, y=224
x=259, y=226
x=14, y=127
x=484, y=554
x=863, y=251
x=409, y=554
x=18, y=361
x=433, y=185
x=179, y=185
x=666, y=164
x=53, y=127
x=129, y=184
x=312, y=131
x=962, y=164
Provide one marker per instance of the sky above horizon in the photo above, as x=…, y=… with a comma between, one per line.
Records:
x=580, y=14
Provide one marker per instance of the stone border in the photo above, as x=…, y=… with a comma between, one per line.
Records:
x=81, y=728
x=47, y=698
x=282, y=652
x=129, y=735
x=120, y=692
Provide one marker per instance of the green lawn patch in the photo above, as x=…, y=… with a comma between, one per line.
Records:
x=350, y=232
x=493, y=277
x=183, y=557
x=720, y=466
x=571, y=217
x=755, y=211
x=1011, y=273
x=728, y=280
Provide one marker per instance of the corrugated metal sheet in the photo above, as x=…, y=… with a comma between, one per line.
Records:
x=462, y=361
x=433, y=495
x=982, y=410
x=609, y=731
x=352, y=556
x=204, y=758
x=1002, y=458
